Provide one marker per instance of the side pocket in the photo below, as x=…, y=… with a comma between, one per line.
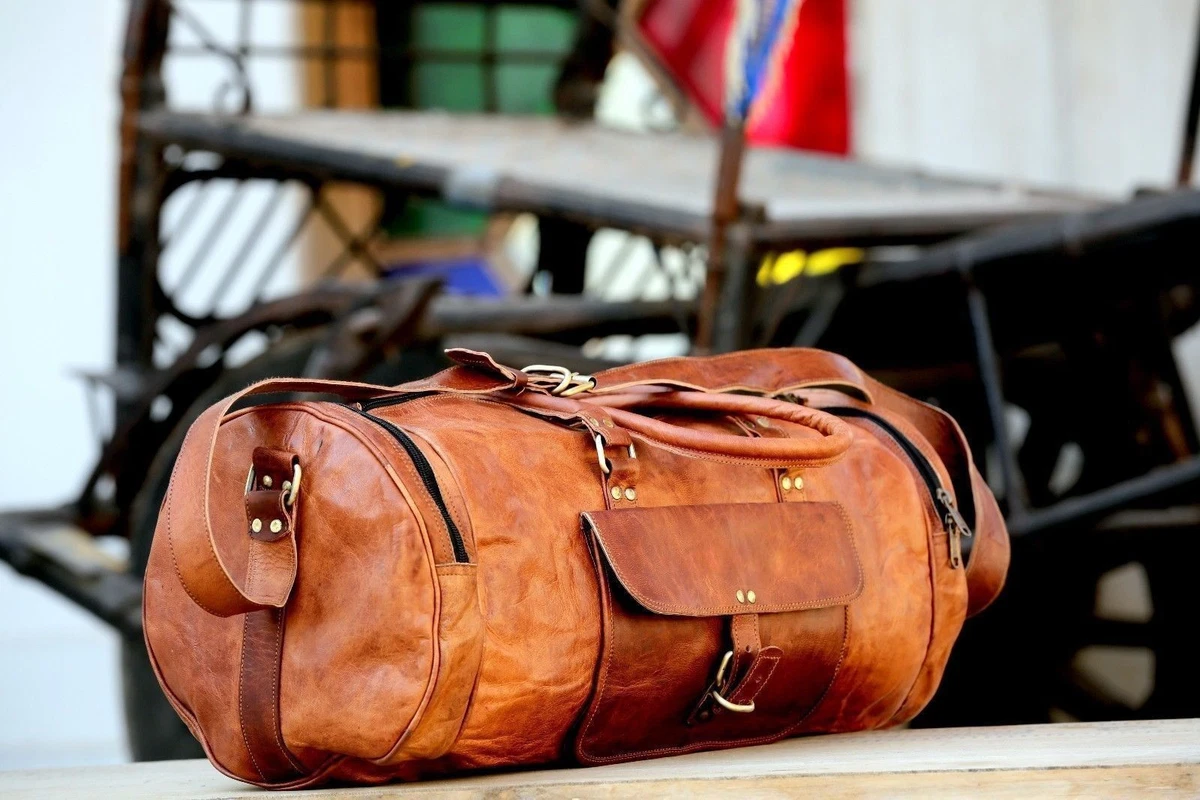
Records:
x=460, y=642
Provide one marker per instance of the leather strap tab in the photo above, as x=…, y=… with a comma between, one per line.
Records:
x=269, y=516
x=743, y=631
x=477, y=373
x=194, y=548
x=756, y=677
x=258, y=697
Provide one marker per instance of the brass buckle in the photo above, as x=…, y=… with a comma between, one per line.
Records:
x=604, y=465
x=565, y=382
x=740, y=708
x=292, y=488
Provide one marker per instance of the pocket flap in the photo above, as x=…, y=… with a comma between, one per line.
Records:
x=693, y=560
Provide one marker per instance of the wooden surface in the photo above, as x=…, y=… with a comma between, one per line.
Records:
x=1119, y=759
x=668, y=172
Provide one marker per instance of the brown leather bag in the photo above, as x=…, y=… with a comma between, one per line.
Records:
x=493, y=567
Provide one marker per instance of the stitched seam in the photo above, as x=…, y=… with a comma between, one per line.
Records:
x=241, y=703
x=772, y=662
x=208, y=537
x=276, y=704
x=609, y=635
x=724, y=611
x=171, y=539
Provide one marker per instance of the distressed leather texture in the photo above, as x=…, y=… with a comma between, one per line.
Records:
x=477, y=573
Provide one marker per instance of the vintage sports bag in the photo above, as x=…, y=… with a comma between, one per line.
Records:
x=494, y=567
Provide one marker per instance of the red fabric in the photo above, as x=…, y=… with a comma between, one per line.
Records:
x=804, y=102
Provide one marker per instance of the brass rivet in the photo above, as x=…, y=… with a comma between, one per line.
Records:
x=751, y=596
x=276, y=526
x=786, y=483
x=798, y=483
x=631, y=494
x=741, y=596
x=267, y=481
x=616, y=493
x=256, y=525
x=287, y=486
x=608, y=423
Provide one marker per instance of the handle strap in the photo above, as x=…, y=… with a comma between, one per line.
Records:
x=834, y=440
x=189, y=532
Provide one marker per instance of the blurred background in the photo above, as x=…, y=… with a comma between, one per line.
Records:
x=983, y=204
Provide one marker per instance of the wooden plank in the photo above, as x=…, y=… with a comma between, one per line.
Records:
x=1112, y=759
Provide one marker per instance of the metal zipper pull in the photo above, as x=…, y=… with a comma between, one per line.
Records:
x=956, y=526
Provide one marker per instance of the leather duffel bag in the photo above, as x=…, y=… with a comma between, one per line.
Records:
x=494, y=567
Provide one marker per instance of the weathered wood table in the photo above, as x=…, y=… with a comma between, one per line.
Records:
x=1117, y=759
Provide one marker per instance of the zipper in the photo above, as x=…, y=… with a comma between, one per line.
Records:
x=422, y=465
x=384, y=402
x=952, y=519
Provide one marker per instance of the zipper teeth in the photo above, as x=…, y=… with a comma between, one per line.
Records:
x=425, y=471
x=384, y=402
x=932, y=482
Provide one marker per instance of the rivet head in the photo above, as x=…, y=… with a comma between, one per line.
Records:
x=616, y=493
x=763, y=421
x=751, y=596
x=608, y=423
x=287, y=486
x=741, y=596
x=786, y=483
x=256, y=525
x=798, y=483
x=631, y=494
x=267, y=481
x=276, y=526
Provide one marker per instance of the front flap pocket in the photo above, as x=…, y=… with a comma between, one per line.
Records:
x=723, y=624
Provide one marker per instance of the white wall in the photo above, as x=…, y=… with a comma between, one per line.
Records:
x=59, y=73
x=1081, y=93
x=59, y=699
x=1085, y=93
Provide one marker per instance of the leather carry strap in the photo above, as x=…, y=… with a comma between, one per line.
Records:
x=771, y=371
x=834, y=440
x=190, y=537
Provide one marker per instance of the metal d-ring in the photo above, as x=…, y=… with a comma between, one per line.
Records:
x=569, y=383
x=739, y=708
x=604, y=465
x=292, y=488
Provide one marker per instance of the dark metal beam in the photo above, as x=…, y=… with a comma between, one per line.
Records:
x=1078, y=510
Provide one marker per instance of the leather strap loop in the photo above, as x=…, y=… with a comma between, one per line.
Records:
x=193, y=546
x=775, y=371
x=834, y=440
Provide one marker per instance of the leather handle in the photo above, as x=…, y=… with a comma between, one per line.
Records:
x=834, y=439
x=188, y=524
x=776, y=371
x=772, y=372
